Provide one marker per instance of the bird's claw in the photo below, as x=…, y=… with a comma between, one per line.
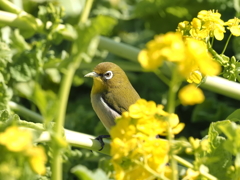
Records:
x=100, y=139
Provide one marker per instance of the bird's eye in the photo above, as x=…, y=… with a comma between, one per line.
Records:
x=108, y=75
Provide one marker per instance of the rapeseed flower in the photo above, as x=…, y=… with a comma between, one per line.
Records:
x=195, y=77
x=37, y=159
x=163, y=47
x=212, y=23
x=15, y=139
x=233, y=26
x=188, y=53
x=190, y=95
x=135, y=150
x=19, y=141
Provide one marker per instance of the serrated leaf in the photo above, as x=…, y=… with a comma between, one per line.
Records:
x=216, y=157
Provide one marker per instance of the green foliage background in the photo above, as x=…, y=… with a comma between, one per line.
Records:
x=28, y=58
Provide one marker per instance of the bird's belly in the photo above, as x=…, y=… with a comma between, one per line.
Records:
x=104, y=112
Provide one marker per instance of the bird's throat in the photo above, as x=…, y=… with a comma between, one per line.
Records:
x=98, y=86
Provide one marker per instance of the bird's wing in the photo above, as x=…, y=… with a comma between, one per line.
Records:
x=120, y=100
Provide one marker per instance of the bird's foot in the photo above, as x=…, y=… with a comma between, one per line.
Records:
x=100, y=139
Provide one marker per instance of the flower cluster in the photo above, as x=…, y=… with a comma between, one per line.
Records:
x=209, y=24
x=191, y=47
x=135, y=150
x=188, y=53
x=17, y=140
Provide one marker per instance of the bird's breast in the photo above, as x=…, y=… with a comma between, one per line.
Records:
x=104, y=112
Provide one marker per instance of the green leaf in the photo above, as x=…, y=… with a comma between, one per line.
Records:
x=4, y=115
x=204, y=112
x=235, y=116
x=46, y=101
x=5, y=96
x=216, y=157
x=85, y=174
x=232, y=131
x=26, y=64
x=5, y=60
x=18, y=41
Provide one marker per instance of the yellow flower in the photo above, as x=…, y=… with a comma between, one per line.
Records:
x=149, y=60
x=191, y=175
x=211, y=21
x=195, y=77
x=169, y=46
x=198, y=58
x=190, y=95
x=197, y=31
x=233, y=26
x=142, y=108
x=134, y=147
x=16, y=139
x=37, y=159
x=184, y=28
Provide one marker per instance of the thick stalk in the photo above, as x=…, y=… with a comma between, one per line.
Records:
x=63, y=94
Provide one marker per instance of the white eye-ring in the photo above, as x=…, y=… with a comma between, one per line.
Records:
x=108, y=75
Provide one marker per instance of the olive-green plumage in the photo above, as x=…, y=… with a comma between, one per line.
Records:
x=112, y=93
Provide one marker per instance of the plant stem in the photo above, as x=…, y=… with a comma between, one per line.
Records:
x=8, y=6
x=161, y=76
x=63, y=95
x=173, y=88
x=189, y=165
x=222, y=86
x=86, y=11
x=173, y=162
x=120, y=49
x=25, y=112
x=225, y=47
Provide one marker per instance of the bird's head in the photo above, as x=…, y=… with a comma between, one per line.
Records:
x=107, y=76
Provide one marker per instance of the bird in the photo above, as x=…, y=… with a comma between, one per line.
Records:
x=112, y=93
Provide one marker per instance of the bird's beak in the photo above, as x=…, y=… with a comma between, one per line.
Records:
x=91, y=74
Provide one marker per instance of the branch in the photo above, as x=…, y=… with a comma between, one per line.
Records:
x=80, y=140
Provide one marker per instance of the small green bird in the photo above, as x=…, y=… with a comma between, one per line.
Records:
x=112, y=93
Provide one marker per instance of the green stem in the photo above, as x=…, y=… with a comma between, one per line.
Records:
x=189, y=165
x=120, y=49
x=222, y=86
x=63, y=94
x=86, y=11
x=183, y=161
x=25, y=112
x=212, y=41
x=161, y=76
x=173, y=162
x=173, y=88
x=225, y=47
x=8, y=6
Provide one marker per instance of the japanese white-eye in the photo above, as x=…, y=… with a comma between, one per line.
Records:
x=112, y=93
